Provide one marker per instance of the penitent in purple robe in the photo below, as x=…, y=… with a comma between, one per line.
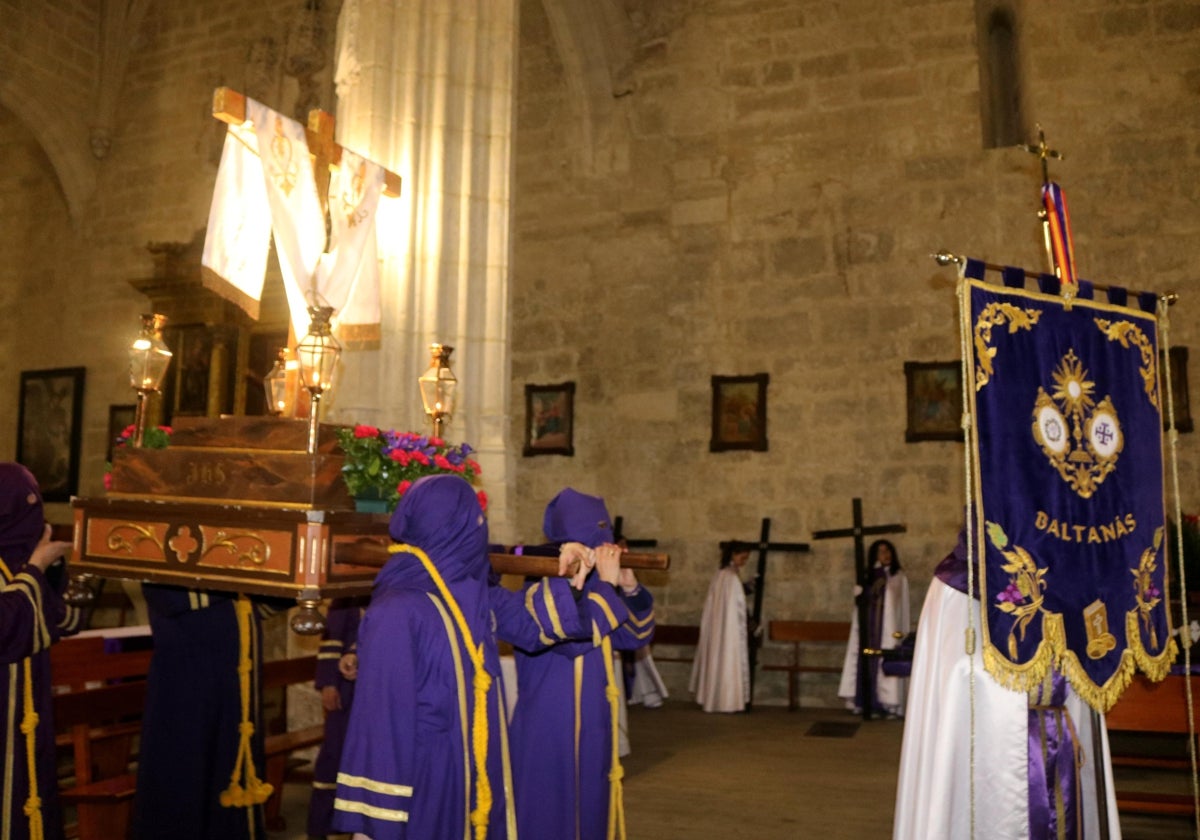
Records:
x=409, y=764
x=32, y=617
x=563, y=723
x=340, y=638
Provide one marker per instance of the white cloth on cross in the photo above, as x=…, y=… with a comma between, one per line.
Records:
x=265, y=185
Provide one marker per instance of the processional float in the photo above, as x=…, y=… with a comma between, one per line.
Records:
x=1066, y=387
x=257, y=505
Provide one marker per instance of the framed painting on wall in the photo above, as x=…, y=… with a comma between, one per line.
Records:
x=739, y=413
x=934, y=401
x=49, y=427
x=550, y=419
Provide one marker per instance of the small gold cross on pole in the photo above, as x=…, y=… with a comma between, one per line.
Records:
x=1044, y=152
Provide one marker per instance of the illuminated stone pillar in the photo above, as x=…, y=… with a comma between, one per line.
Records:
x=427, y=88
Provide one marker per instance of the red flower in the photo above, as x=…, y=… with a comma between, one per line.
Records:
x=436, y=441
x=129, y=430
x=108, y=481
x=440, y=462
x=483, y=500
x=400, y=456
x=474, y=465
x=421, y=458
x=365, y=431
x=403, y=486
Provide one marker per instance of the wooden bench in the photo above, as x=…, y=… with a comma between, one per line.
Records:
x=799, y=633
x=1161, y=708
x=102, y=721
x=674, y=635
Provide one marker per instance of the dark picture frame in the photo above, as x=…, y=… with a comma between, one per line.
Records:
x=935, y=401
x=49, y=428
x=739, y=413
x=550, y=419
x=120, y=418
x=1179, y=392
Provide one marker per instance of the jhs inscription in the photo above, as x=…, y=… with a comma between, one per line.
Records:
x=205, y=474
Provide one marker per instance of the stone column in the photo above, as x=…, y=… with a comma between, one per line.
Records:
x=427, y=88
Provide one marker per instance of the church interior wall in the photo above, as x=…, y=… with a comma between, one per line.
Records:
x=762, y=196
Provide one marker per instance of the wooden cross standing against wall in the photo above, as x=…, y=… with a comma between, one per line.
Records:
x=763, y=546
x=862, y=577
x=619, y=534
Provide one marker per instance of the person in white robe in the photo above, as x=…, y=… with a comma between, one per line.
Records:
x=721, y=671
x=934, y=792
x=888, y=623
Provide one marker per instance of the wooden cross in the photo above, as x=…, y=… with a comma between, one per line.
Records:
x=619, y=534
x=862, y=576
x=763, y=546
x=229, y=106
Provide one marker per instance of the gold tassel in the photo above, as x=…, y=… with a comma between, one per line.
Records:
x=255, y=791
x=616, y=789
x=33, y=805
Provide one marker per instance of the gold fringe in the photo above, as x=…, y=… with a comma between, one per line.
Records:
x=1053, y=650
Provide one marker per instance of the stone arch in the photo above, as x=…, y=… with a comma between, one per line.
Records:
x=595, y=45
x=61, y=134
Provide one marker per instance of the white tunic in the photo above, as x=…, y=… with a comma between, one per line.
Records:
x=721, y=671
x=933, y=797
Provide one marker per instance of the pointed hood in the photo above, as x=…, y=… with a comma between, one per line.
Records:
x=572, y=516
x=22, y=518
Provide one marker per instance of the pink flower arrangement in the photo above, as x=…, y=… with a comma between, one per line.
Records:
x=385, y=463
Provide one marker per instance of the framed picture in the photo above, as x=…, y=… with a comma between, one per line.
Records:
x=935, y=395
x=49, y=426
x=1179, y=392
x=120, y=417
x=739, y=413
x=550, y=419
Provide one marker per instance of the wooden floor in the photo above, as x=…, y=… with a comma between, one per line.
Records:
x=763, y=776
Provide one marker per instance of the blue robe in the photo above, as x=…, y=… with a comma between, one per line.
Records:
x=190, y=728
x=340, y=638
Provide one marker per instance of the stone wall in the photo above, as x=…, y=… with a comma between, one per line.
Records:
x=763, y=197
x=785, y=170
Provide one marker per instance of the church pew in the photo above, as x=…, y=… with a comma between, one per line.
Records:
x=101, y=721
x=1160, y=707
x=674, y=635
x=799, y=633
x=278, y=748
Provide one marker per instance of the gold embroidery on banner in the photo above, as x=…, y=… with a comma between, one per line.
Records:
x=1126, y=333
x=1081, y=439
x=1095, y=621
x=285, y=170
x=117, y=542
x=995, y=315
x=1147, y=594
x=1023, y=597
